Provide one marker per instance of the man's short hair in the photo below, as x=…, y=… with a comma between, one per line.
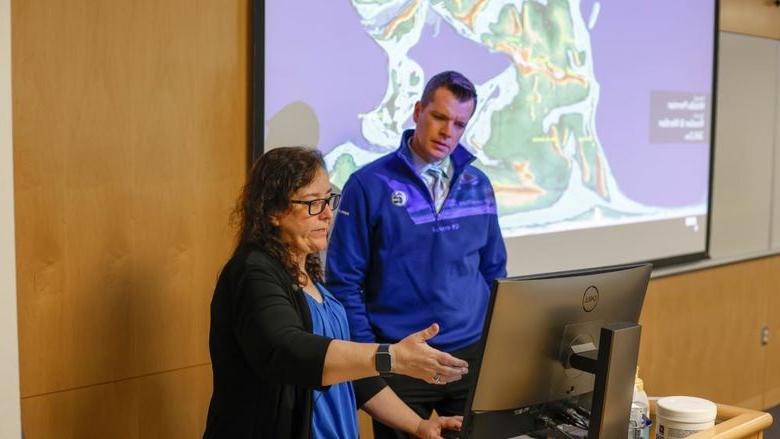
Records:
x=453, y=81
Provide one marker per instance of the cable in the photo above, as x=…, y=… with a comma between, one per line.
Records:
x=550, y=423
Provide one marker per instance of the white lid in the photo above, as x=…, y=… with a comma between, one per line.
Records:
x=686, y=409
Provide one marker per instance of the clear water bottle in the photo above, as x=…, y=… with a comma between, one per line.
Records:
x=639, y=423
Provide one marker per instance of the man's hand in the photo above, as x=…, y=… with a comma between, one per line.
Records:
x=432, y=428
x=413, y=357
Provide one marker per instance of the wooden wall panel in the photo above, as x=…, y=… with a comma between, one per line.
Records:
x=772, y=365
x=167, y=405
x=701, y=332
x=130, y=123
x=760, y=18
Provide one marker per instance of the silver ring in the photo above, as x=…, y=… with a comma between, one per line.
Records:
x=437, y=379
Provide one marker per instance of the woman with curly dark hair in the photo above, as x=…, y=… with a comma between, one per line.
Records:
x=279, y=346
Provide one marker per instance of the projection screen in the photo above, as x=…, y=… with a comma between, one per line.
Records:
x=593, y=122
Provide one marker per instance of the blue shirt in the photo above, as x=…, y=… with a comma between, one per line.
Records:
x=335, y=410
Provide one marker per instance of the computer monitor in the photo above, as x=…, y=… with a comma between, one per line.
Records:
x=534, y=325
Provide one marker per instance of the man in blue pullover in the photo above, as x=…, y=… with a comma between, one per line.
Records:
x=416, y=241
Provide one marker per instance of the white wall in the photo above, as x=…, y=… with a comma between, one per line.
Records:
x=742, y=218
x=10, y=414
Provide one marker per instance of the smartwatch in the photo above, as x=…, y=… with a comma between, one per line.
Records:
x=383, y=360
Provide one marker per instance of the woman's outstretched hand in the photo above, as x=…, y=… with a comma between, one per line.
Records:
x=413, y=357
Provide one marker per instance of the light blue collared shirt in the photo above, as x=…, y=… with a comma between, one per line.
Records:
x=420, y=166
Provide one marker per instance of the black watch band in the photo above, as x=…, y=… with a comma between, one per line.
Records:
x=383, y=360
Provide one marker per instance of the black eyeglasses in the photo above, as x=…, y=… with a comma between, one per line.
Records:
x=317, y=206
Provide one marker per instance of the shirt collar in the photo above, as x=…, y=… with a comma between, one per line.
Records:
x=420, y=165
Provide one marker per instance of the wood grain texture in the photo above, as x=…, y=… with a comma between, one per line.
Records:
x=700, y=333
x=166, y=405
x=130, y=122
x=772, y=364
x=759, y=18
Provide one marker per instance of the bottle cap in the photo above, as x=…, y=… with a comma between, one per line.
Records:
x=638, y=383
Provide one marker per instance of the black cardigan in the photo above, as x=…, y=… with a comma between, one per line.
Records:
x=265, y=359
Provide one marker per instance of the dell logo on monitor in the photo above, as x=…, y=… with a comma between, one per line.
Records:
x=590, y=299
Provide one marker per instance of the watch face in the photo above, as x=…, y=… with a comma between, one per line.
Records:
x=383, y=360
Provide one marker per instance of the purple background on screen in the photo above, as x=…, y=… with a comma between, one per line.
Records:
x=664, y=45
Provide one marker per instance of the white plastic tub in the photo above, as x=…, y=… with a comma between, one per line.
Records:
x=681, y=416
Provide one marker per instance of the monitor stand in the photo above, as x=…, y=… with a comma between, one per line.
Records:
x=614, y=364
